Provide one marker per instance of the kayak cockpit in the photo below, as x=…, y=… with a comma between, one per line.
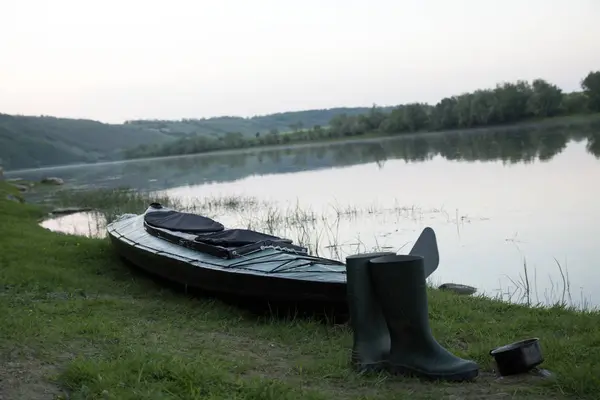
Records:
x=206, y=235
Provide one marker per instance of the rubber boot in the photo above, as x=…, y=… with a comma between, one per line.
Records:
x=371, y=345
x=399, y=284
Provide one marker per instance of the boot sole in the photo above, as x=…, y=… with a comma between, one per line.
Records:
x=411, y=372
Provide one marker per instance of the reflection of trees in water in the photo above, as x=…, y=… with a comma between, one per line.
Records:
x=593, y=145
x=515, y=145
x=508, y=145
x=550, y=145
x=379, y=155
x=320, y=152
x=419, y=150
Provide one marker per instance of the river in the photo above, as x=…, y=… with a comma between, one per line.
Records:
x=511, y=208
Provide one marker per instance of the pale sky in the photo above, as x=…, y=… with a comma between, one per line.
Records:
x=116, y=60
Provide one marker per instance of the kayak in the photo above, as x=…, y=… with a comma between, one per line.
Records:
x=199, y=252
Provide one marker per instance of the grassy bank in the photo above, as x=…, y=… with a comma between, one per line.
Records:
x=75, y=320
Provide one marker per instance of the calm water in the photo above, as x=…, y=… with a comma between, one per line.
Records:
x=497, y=200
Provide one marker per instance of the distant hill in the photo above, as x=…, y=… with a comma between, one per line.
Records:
x=281, y=122
x=31, y=142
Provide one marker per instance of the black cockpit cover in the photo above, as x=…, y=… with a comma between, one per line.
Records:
x=182, y=222
x=237, y=237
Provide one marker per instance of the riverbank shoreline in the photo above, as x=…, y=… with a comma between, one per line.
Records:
x=365, y=138
x=75, y=321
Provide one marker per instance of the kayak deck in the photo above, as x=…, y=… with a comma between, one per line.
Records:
x=273, y=257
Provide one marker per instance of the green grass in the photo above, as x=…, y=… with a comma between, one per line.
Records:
x=77, y=322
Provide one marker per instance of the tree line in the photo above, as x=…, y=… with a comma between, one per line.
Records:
x=507, y=103
x=247, y=126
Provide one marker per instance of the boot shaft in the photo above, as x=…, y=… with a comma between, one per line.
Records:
x=400, y=286
x=371, y=336
x=365, y=311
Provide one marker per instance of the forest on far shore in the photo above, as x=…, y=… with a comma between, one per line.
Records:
x=507, y=103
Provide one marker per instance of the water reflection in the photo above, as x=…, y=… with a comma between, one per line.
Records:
x=90, y=224
x=509, y=146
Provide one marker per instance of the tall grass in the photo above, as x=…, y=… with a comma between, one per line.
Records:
x=318, y=231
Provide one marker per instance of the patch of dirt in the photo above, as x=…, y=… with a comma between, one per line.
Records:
x=487, y=386
x=27, y=380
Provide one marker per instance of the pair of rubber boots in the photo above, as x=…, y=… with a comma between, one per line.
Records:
x=387, y=298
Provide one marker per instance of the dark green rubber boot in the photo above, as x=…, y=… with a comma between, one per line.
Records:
x=371, y=336
x=399, y=284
